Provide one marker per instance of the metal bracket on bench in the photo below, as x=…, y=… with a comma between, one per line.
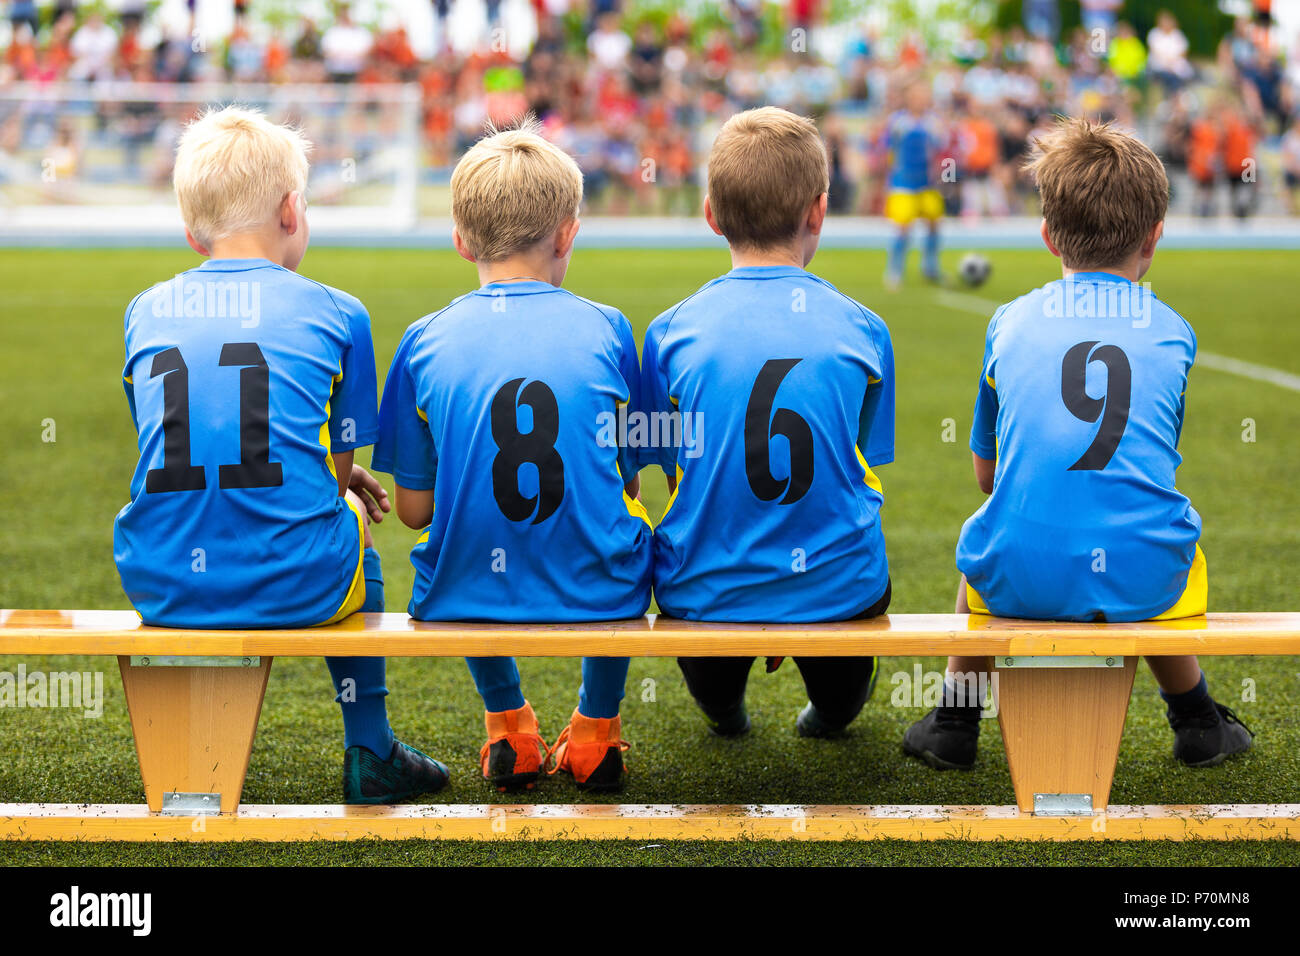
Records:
x=173, y=660
x=190, y=804
x=1063, y=661
x=1062, y=804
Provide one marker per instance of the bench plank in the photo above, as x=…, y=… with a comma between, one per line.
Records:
x=47, y=632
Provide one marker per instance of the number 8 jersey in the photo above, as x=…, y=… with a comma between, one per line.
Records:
x=507, y=404
x=1081, y=402
x=784, y=388
x=242, y=378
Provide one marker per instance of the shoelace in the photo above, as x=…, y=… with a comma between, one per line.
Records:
x=623, y=747
x=1230, y=717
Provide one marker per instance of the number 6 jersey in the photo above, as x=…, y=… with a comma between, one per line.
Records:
x=1081, y=402
x=507, y=404
x=785, y=392
x=242, y=378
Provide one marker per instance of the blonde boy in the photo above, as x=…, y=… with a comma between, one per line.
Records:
x=251, y=387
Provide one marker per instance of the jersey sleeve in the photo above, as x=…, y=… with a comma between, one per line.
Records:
x=983, y=429
x=628, y=458
x=128, y=381
x=405, y=447
x=876, y=423
x=354, y=406
x=654, y=395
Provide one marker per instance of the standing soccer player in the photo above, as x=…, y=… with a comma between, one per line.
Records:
x=251, y=388
x=914, y=137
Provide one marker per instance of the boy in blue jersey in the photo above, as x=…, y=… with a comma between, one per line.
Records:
x=913, y=137
x=785, y=387
x=1077, y=420
x=495, y=425
x=251, y=387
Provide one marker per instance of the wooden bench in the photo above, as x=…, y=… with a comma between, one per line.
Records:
x=1062, y=693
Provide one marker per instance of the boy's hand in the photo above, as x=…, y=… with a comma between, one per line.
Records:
x=372, y=494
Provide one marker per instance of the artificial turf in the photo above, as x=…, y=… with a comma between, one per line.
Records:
x=62, y=361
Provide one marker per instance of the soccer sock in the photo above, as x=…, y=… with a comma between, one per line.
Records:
x=497, y=680
x=1188, y=702
x=960, y=693
x=897, y=255
x=359, y=681
x=603, y=679
x=930, y=257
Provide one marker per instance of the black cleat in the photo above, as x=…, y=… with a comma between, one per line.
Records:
x=1209, y=736
x=811, y=723
x=946, y=738
x=728, y=723
x=406, y=773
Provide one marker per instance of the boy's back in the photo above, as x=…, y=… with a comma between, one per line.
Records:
x=242, y=378
x=497, y=403
x=1081, y=403
x=789, y=389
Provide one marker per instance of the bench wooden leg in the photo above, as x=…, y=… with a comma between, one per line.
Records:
x=1061, y=727
x=194, y=725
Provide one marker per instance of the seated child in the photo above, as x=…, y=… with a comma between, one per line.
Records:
x=1077, y=420
x=251, y=387
x=491, y=425
x=786, y=388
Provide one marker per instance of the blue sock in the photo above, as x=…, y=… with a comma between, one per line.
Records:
x=1188, y=701
x=603, y=679
x=497, y=680
x=897, y=254
x=365, y=715
x=930, y=257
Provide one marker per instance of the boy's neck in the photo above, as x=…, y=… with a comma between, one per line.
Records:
x=746, y=258
x=522, y=268
x=1131, y=271
x=248, y=246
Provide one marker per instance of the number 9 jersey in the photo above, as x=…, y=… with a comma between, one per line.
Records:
x=507, y=404
x=242, y=378
x=1081, y=402
x=785, y=392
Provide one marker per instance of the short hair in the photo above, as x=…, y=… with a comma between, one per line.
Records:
x=1103, y=191
x=766, y=168
x=511, y=190
x=233, y=169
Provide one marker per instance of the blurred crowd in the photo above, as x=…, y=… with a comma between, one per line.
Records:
x=636, y=98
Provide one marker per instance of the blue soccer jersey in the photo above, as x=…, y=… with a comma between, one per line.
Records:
x=1081, y=402
x=506, y=403
x=913, y=143
x=785, y=392
x=242, y=378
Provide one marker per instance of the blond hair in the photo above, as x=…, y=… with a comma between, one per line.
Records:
x=766, y=168
x=511, y=190
x=1103, y=191
x=233, y=169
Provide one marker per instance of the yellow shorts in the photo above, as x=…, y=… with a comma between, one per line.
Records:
x=904, y=207
x=357, y=589
x=1193, y=602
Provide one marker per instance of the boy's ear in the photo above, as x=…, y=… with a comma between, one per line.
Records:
x=708, y=217
x=461, y=248
x=1149, y=244
x=1047, y=240
x=196, y=245
x=565, y=236
x=817, y=215
x=290, y=216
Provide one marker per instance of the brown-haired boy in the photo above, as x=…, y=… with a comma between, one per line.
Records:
x=783, y=388
x=1077, y=421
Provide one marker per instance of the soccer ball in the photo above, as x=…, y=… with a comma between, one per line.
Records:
x=974, y=269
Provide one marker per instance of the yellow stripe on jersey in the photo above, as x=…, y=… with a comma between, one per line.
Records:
x=325, y=427
x=868, y=476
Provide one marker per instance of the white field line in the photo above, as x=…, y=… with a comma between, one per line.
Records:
x=978, y=305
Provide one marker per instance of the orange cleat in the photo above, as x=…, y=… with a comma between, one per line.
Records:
x=515, y=753
x=591, y=749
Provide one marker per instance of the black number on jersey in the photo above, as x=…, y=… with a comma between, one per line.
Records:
x=1112, y=409
x=536, y=447
x=255, y=468
x=762, y=424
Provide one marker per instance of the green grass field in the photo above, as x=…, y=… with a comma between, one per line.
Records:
x=61, y=360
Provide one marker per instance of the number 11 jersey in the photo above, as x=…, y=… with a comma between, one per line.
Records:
x=785, y=389
x=242, y=378
x=508, y=404
x=1081, y=401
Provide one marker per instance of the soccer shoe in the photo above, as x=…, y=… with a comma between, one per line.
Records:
x=1209, y=736
x=515, y=753
x=946, y=738
x=729, y=723
x=591, y=749
x=811, y=723
x=406, y=773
